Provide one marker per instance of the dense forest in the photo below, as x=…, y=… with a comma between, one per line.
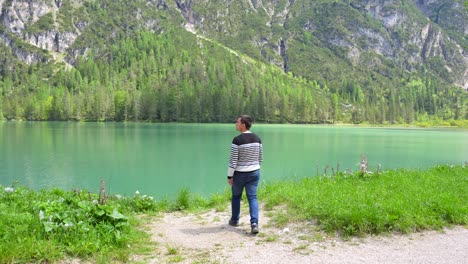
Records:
x=172, y=75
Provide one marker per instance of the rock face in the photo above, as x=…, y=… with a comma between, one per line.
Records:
x=412, y=35
x=451, y=16
x=19, y=14
x=22, y=22
x=427, y=40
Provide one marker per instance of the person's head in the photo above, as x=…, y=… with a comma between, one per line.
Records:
x=244, y=122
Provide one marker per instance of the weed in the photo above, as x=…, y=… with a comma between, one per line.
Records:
x=182, y=201
x=171, y=250
x=272, y=238
x=300, y=247
x=280, y=219
x=176, y=259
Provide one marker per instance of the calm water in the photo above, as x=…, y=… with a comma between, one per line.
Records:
x=160, y=159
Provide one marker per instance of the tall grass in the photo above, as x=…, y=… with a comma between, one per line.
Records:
x=394, y=201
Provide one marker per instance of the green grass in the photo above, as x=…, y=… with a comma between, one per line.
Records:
x=50, y=225
x=395, y=201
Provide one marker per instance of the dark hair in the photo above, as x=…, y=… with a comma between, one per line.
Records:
x=247, y=120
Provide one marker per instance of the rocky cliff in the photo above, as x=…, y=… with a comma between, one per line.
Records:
x=34, y=24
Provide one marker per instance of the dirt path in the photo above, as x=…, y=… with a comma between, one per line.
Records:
x=206, y=238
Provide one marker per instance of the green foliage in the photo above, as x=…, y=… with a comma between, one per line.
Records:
x=48, y=225
x=139, y=203
x=45, y=22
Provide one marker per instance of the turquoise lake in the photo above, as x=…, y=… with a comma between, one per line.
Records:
x=160, y=159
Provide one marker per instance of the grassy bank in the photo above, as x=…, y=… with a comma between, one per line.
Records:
x=394, y=201
x=49, y=225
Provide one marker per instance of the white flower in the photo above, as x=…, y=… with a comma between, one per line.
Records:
x=41, y=215
x=137, y=192
x=94, y=201
x=118, y=196
x=9, y=190
x=144, y=196
x=151, y=198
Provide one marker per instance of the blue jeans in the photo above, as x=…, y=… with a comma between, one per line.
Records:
x=249, y=180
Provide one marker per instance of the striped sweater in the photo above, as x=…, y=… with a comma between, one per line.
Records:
x=246, y=153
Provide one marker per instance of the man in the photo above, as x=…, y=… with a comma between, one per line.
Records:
x=244, y=171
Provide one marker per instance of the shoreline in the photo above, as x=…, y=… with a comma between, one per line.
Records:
x=364, y=125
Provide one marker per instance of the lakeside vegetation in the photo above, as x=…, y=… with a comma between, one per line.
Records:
x=49, y=225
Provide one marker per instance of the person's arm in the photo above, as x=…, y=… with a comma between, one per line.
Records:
x=234, y=157
x=260, y=154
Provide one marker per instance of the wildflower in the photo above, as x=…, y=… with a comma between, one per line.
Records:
x=9, y=190
x=94, y=201
x=118, y=196
x=151, y=198
x=144, y=196
x=41, y=215
x=363, y=167
x=137, y=192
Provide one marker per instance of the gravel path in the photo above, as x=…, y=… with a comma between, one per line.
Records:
x=206, y=238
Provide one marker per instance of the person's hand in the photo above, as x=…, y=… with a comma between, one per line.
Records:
x=231, y=181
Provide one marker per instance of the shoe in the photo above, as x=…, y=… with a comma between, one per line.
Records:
x=233, y=222
x=254, y=227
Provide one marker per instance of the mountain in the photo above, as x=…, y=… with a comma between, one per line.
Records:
x=332, y=40
x=206, y=61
